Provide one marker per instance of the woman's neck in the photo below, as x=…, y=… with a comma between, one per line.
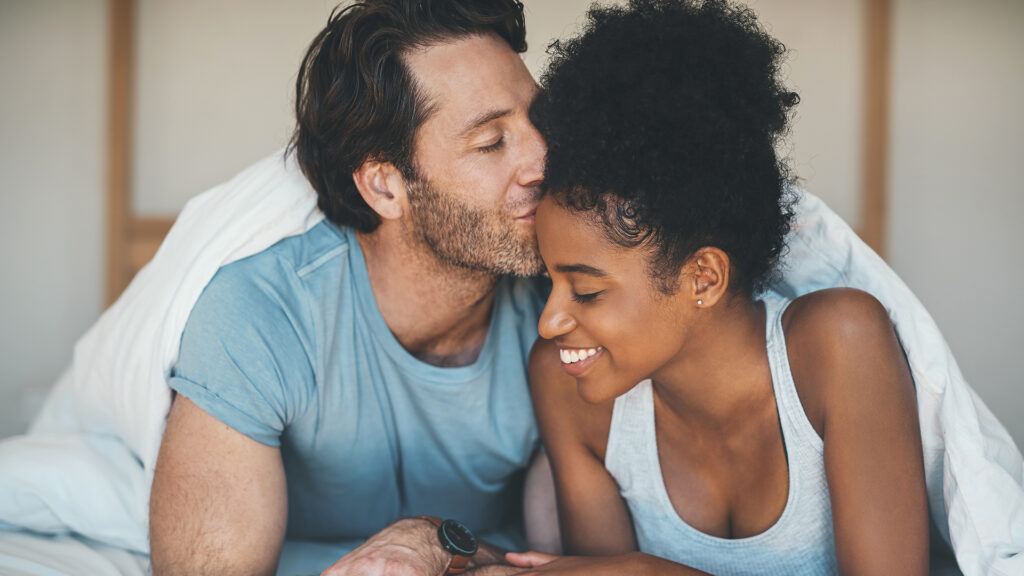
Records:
x=722, y=373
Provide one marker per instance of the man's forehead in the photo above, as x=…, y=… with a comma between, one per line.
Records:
x=472, y=80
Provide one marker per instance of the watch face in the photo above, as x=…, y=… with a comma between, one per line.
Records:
x=458, y=537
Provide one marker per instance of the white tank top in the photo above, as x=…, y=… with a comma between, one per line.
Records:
x=800, y=542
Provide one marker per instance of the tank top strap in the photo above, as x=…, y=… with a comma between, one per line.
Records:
x=792, y=416
x=630, y=437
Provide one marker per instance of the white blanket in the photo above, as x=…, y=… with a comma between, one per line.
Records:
x=87, y=463
x=101, y=425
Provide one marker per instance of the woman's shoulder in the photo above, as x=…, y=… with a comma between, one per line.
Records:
x=836, y=339
x=836, y=318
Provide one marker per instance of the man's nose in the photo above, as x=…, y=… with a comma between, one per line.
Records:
x=535, y=151
x=554, y=321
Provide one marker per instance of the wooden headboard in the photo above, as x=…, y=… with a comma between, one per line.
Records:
x=132, y=239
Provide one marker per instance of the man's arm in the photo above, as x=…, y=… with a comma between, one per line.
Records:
x=219, y=500
x=219, y=506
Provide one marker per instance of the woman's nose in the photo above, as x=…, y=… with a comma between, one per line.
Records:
x=554, y=321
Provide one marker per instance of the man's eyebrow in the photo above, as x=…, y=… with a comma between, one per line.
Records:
x=581, y=269
x=484, y=118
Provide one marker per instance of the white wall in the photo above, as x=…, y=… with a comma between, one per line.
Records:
x=215, y=84
x=52, y=65
x=825, y=66
x=957, y=184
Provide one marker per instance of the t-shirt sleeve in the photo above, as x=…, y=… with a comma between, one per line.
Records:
x=245, y=354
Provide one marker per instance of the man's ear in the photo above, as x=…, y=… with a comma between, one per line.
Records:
x=707, y=276
x=382, y=188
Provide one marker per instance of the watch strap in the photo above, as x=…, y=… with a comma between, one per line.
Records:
x=458, y=563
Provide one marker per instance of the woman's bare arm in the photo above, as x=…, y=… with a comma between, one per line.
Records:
x=843, y=344
x=593, y=518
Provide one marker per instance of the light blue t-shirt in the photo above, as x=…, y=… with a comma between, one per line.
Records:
x=289, y=348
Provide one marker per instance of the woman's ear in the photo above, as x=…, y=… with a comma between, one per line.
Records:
x=708, y=275
x=382, y=188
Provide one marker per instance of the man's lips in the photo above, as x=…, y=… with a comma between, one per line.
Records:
x=527, y=209
x=529, y=216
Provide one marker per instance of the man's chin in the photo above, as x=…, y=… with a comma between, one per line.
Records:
x=523, y=262
x=529, y=262
x=520, y=263
x=529, y=267
x=521, y=258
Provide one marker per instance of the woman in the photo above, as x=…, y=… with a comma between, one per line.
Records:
x=695, y=423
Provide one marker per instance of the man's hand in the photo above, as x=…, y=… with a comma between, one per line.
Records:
x=408, y=547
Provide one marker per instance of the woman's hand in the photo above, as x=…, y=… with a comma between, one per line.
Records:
x=529, y=559
x=631, y=563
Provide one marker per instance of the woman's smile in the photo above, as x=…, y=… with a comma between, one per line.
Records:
x=577, y=361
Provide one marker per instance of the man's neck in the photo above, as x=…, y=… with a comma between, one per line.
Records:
x=438, y=312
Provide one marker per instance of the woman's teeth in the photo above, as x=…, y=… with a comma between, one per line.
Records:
x=574, y=355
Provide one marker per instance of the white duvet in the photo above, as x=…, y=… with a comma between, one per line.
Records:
x=87, y=462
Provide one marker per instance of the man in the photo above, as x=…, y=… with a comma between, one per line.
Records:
x=373, y=368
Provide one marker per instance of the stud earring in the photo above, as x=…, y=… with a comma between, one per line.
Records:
x=700, y=302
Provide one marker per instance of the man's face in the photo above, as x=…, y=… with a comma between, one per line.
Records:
x=479, y=160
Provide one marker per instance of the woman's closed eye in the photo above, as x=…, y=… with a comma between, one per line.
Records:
x=586, y=298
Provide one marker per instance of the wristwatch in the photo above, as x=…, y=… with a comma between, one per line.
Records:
x=457, y=540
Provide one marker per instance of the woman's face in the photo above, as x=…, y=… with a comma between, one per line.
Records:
x=612, y=326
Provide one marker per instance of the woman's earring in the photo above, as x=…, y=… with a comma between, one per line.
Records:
x=699, y=302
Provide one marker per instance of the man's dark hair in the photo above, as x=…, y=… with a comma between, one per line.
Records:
x=663, y=118
x=355, y=99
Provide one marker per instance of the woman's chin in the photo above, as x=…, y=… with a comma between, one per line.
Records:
x=595, y=392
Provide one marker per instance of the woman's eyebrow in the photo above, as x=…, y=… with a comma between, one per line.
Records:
x=581, y=269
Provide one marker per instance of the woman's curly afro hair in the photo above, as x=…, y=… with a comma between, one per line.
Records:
x=663, y=117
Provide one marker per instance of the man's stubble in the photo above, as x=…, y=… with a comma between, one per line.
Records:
x=470, y=238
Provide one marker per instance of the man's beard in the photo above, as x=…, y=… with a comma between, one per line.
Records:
x=470, y=238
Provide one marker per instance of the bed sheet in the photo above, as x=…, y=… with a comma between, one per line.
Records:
x=26, y=554
x=32, y=554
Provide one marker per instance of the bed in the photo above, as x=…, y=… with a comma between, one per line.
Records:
x=25, y=554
